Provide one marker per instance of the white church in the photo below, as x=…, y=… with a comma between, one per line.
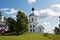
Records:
x=3, y=24
x=33, y=26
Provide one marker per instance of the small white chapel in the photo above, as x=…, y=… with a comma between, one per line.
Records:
x=33, y=26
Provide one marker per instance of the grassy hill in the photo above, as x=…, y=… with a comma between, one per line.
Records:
x=28, y=36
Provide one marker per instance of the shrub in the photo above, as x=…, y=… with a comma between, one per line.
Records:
x=45, y=34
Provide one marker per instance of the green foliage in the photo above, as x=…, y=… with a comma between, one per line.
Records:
x=55, y=37
x=22, y=22
x=56, y=30
x=11, y=24
x=45, y=34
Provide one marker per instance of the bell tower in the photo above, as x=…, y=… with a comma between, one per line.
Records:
x=33, y=22
x=33, y=10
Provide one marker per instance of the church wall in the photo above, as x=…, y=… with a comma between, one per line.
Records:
x=33, y=25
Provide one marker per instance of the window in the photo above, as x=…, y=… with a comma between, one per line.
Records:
x=40, y=30
x=32, y=19
x=33, y=30
x=35, y=19
x=30, y=26
x=33, y=26
x=30, y=30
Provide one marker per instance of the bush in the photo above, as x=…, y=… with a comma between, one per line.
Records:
x=45, y=34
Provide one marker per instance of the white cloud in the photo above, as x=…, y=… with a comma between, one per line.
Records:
x=46, y=23
x=14, y=16
x=48, y=27
x=12, y=11
x=48, y=12
x=56, y=6
x=53, y=10
x=31, y=1
x=5, y=9
x=9, y=10
x=36, y=13
x=57, y=25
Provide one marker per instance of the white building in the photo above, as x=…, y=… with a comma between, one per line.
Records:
x=3, y=22
x=33, y=25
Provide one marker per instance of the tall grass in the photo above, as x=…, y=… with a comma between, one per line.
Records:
x=25, y=37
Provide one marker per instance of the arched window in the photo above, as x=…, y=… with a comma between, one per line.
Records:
x=40, y=30
x=33, y=30
x=32, y=19
x=33, y=26
x=30, y=26
x=30, y=30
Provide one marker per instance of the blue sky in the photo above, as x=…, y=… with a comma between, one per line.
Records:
x=47, y=10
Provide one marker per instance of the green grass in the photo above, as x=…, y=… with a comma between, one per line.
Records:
x=55, y=37
x=26, y=36
x=29, y=36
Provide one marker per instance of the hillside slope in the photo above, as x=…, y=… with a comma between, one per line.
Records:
x=25, y=37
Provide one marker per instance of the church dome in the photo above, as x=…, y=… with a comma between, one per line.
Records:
x=32, y=12
x=31, y=15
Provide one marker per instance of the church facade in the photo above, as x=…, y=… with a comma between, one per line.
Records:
x=33, y=25
x=3, y=24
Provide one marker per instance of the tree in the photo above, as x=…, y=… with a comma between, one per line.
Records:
x=12, y=24
x=22, y=22
x=56, y=30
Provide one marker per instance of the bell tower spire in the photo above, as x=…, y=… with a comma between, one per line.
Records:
x=33, y=10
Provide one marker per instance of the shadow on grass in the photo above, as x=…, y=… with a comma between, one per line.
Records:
x=11, y=34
